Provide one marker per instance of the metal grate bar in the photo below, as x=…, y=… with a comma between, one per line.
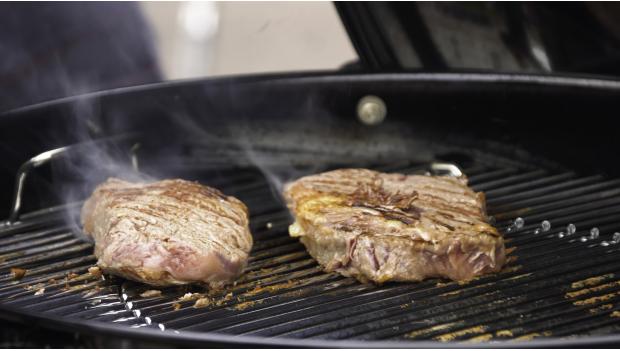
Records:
x=377, y=310
x=551, y=193
x=538, y=182
x=47, y=253
x=506, y=181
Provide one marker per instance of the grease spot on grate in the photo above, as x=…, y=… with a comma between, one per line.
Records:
x=451, y=336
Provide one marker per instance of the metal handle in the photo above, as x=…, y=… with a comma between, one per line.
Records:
x=452, y=169
x=22, y=173
x=46, y=157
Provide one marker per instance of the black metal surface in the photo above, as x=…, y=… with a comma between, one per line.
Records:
x=551, y=288
x=517, y=37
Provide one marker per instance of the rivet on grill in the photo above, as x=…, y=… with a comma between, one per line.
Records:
x=124, y=297
x=148, y=320
x=371, y=110
x=616, y=238
x=594, y=233
x=571, y=229
x=560, y=235
x=137, y=313
x=161, y=327
x=545, y=226
x=583, y=239
x=129, y=305
x=604, y=243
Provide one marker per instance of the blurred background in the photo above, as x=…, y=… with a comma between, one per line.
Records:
x=51, y=50
x=195, y=39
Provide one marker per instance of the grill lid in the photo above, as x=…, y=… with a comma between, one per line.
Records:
x=521, y=37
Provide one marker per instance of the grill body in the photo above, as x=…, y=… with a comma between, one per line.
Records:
x=553, y=290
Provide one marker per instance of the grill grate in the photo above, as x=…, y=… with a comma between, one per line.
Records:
x=551, y=287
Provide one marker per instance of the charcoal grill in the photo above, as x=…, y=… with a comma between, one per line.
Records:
x=555, y=289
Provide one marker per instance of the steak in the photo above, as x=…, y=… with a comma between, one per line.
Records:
x=168, y=232
x=394, y=227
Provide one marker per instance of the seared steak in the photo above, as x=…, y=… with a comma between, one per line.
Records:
x=394, y=227
x=168, y=232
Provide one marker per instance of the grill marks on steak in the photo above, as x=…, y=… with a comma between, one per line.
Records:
x=381, y=227
x=168, y=232
x=393, y=206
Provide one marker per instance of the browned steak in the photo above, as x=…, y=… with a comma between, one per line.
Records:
x=394, y=227
x=168, y=232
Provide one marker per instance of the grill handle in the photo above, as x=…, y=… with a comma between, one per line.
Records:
x=450, y=168
x=22, y=173
x=46, y=157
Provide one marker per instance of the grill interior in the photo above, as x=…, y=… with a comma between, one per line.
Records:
x=551, y=286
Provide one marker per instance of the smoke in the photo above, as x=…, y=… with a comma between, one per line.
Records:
x=96, y=156
x=53, y=51
x=276, y=176
x=87, y=164
x=268, y=149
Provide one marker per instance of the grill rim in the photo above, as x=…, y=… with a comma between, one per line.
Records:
x=555, y=80
x=96, y=328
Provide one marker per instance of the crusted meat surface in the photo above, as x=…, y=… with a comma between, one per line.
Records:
x=167, y=232
x=394, y=227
